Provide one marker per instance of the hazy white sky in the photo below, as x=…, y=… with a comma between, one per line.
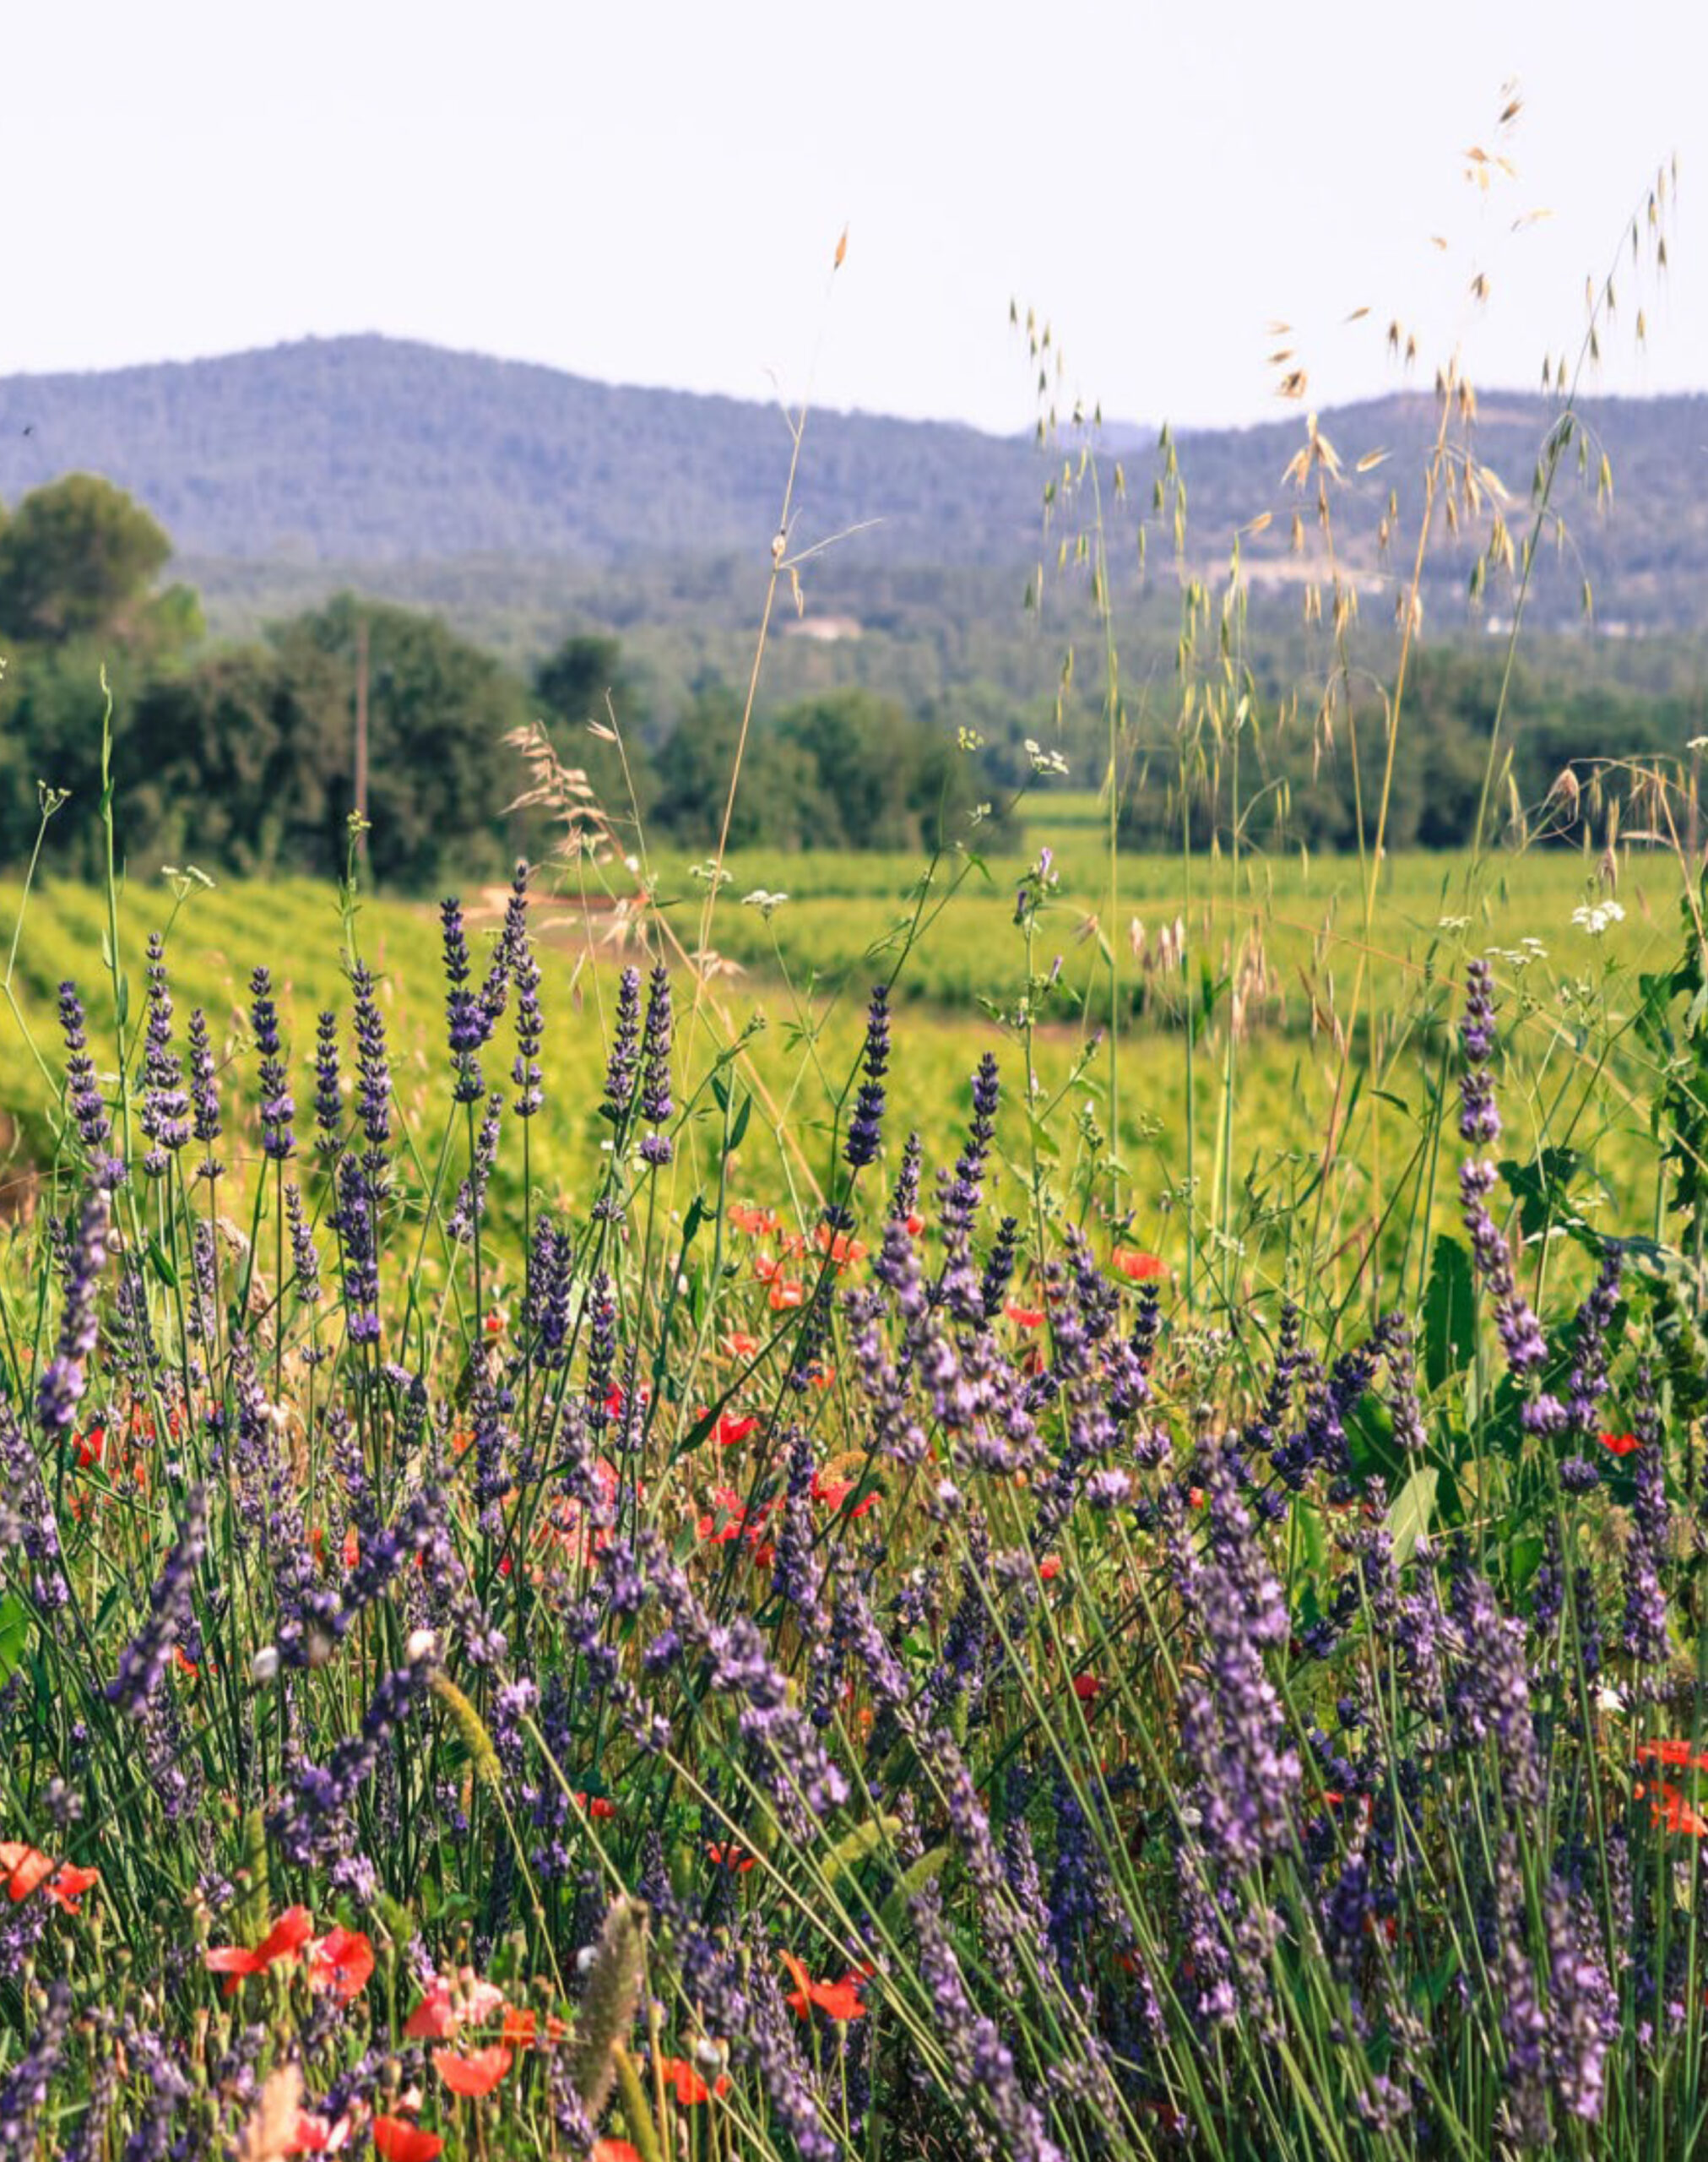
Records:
x=651, y=192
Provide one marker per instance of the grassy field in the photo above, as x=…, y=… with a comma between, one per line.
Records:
x=1228, y=1069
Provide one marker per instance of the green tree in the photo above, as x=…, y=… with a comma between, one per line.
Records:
x=439, y=776
x=77, y=558
x=583, y=687
x=779, y=803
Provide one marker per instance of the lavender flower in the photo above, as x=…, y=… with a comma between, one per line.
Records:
x=329, y=1096
x=1582, y=2006
x=278, y=1105
x=84, y=1099
x=64, y=1380
x=25, y=2095
x=1645, y=1633
x=354, y=1224
x=622, y=1063
x=143, y=1660
x=165, y=1109
x=305, y=1262
x=530, y=1022
x=865, y=1128
x=656, y=1105
x=204, y=1094
x=373, y=1080
x=905, y=1200
x=1520, y=1332
x=468, y=1025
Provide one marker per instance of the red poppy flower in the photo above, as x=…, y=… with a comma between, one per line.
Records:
x=599, y=1807
x=1085, y=1686
x=521, y=2027
x=1620, y=1444
x=1668, y=1806
x=433, y=2018
x=615, y=2150
x=1680, y=1755
x=283, y=1940
x=756, y=1223
x=728, y=1854
x=399, y=2141
x=496, y=1322
x=915, y=1225
x=312, y=2135
x=734, y=1426
x=89, y=1447
x=343, y=1961
x=689, y=2087
x=27, y=1869
x=840, y=1249
x=67, y=1885
x=836, y=2000
x=739, y=1345
x=1137, y=1267
x=476, y=2073
x=1050, y=1567
x=786, y=1292
x=1023, y=1316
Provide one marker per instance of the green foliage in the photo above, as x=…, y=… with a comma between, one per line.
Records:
x=79, y=557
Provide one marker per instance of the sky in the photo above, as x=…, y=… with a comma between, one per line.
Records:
x=653, y=193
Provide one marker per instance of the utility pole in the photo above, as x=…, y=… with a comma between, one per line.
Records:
x=361, y=729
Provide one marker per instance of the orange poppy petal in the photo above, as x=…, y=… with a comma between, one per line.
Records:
x=399, y=2141
x=287, y=1935
x=477, y=2073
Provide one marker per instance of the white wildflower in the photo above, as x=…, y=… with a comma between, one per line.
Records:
x=1594, y=917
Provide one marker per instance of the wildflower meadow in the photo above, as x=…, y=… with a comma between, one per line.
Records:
x=1081, y=1546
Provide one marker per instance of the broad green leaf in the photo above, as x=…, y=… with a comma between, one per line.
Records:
x=1408, y=1519
x=1449, y=1312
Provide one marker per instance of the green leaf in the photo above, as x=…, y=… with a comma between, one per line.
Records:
x=859, y=1842
x=162, y=1267
x=1449, y=1312
x=744, y=1112
x=1408, y=1519
x=14, y=1633
x=895, y=1908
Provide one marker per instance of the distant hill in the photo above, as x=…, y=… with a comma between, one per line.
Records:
x=430, y=473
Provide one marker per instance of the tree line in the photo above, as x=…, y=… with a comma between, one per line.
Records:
x=243, y=757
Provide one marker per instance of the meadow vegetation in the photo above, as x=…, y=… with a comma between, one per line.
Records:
x=1020, y=1499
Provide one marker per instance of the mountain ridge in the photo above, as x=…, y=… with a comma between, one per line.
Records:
x=364, y=450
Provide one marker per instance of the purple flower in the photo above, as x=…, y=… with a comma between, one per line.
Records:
x=328, y=1097
x=865, y=1128
x=278, y=1105
x=905, y=1200
x=1582, y=2006
x=143, y=1659
x=468, y=1025
x=305, y=1262
x=84, y=1099
x=530, y=1022
x=63, y=1380
x=373, y=1073
x=656, y=1106
x=354, y=1223
x=622, y=1063
x=1645, y=1633
x=165, y=1109
x=204, y=1093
